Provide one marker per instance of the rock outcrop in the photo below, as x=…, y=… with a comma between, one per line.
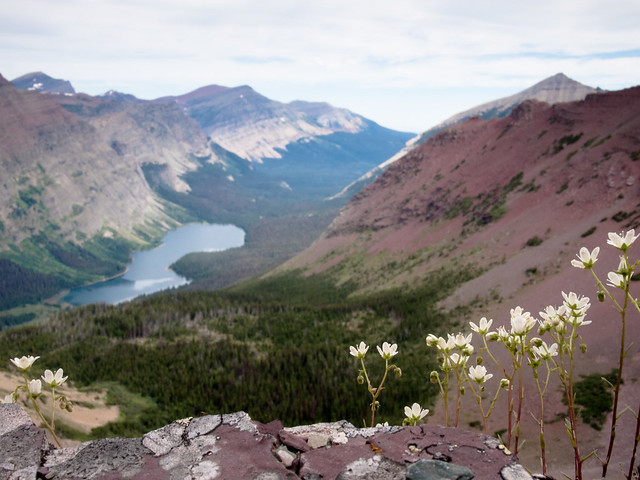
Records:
x=232, y=446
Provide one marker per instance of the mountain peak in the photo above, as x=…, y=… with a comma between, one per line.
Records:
x=555, y=89
x=41, y=82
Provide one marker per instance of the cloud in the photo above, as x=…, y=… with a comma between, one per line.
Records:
x=160, y=47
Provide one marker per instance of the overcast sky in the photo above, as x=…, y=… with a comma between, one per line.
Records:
x=406, y=64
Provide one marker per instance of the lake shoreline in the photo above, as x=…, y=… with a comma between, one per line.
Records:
x=149, y=271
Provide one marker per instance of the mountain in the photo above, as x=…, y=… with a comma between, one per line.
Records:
x=75, y=197
x=556, y=89
x=499, y=208
x=89, y=179
x=315, y=148
x=480, y=191
x=40, y=82
x=120, y=97
x=482, y=217
x=255, y=127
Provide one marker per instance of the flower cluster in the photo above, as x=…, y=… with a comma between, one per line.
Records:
x=541, y=357
x=33, y=390
x=453, y=352
x=387, y=352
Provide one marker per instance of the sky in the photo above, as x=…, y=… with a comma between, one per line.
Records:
x=406, y=64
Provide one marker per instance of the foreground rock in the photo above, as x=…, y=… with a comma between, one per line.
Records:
x=232, y=446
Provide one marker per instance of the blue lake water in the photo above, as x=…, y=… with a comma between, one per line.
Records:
x=149, y=270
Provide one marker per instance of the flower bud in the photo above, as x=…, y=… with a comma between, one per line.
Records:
x=504, y=383
x=600, y=296
x=434, y=377
x=360, y=379
x=398, y=372
x=492, y=336
x=536, y=342
x=462, y=390
x=479, y=360
x=583, y=347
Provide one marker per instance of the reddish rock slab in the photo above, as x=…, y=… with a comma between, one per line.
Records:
x=232, y=446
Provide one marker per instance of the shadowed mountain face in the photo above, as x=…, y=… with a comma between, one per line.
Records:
x=71, y=161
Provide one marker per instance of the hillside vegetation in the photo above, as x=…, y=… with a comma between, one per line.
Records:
x=276, y=349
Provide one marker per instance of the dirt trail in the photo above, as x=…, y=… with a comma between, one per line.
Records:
x=89, y=408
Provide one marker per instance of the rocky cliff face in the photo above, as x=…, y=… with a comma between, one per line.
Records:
x=71, y=161
x=255, y=127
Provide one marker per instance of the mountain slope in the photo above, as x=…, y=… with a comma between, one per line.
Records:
x=69, y=163
x=480, y=190
x=509, y=202
x=556, y=89
x=90, y=178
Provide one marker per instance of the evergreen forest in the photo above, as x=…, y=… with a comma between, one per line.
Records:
x=277, y=348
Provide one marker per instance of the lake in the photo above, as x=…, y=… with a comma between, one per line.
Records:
x=149, y=270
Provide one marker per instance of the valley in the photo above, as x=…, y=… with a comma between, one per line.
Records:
x=75, y=160
x=480, y=217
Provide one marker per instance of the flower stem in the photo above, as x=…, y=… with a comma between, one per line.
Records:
x=37, y=409
x=616, y=392
x=632, y=461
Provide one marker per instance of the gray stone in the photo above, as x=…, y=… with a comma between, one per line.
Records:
x=318, y=441
x=123, y=456
x=194, y=455
x=285, y=456
x=203, y=425
x=161, y=441
x=13, y=416
x=205, y=470
x=267, y=476
x=515, y=472
x=233, y=446
x=241, y=421
x=20, y=451
x=375, y=468
x=438, y=470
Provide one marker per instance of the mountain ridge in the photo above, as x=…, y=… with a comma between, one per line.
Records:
x=270, y=125
x=555, y=89
x=41, y=82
